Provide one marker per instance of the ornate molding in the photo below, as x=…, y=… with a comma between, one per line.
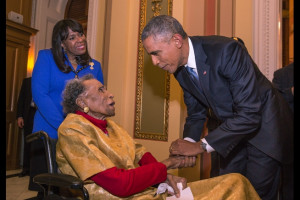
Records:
x=267, y=36
x=156, y=8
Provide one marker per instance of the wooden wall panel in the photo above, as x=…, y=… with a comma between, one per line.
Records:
x=17, y=47
x=23, y=7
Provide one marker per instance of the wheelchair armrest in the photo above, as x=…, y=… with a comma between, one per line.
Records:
x=36, y=135
x=43, y=135
x=59, y=180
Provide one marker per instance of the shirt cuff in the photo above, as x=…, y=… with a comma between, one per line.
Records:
x=189, y=139
x=208, y=147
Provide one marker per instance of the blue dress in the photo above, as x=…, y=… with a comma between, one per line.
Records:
x=48, y=82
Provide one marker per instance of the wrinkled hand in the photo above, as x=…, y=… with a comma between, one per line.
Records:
x=174, y=162
x=186, y=148
x=173, y=180
x=20, y=122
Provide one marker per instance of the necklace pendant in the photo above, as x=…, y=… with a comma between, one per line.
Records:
x=76, y=76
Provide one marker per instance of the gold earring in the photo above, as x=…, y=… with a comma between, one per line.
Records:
x=86, y=109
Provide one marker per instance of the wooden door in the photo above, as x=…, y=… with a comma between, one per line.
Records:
x=78, y=10
x=17, y=47
x=287, y=32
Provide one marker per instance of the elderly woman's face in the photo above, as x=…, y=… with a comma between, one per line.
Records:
x=98, y=99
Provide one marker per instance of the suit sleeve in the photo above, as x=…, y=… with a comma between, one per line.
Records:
x=242, y=76
x=196, y=111
x=193, y=127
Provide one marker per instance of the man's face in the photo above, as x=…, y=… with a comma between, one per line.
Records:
x=164, y=53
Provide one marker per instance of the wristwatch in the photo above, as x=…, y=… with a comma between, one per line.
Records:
x=203, y=145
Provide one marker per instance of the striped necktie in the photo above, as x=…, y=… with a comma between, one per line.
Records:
x=193, y=74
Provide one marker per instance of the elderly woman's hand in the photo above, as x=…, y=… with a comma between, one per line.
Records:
x=173, y=180
x=174, y=162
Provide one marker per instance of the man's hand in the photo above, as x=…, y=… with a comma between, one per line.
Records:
x=186, y=148
x=20, y=122
x=173, y=180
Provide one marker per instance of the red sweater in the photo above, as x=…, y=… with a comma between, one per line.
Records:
x=122, y=182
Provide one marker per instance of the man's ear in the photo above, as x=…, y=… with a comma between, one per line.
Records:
x=178, y=40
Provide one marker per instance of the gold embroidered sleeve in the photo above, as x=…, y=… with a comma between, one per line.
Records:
x=78, y=150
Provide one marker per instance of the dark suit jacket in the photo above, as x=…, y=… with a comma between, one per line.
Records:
x=283, y=80
x=245, y=101
x=23, y=106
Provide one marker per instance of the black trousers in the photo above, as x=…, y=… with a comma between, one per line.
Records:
x=287, y=182
x=26, y=149
x=262, y=171
x=28, y=125
x=215, y=164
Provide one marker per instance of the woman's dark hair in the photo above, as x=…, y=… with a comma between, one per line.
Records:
x=73, y=89
x=59, y=34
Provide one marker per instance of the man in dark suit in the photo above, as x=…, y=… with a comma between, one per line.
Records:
x=283, y=81
x=256, y=130
x=212, y=123
x=25, y=114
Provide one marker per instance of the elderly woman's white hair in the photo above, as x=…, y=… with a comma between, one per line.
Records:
x=73, y=89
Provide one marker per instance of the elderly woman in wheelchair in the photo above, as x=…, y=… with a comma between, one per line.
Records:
x=114, y=166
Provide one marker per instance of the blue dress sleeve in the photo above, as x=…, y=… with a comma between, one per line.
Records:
x=42, y=77
x=99, y=74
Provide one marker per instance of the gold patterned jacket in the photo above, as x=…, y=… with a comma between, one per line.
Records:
x=84, y=150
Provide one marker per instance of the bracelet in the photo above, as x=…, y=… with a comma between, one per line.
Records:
x=203, y=145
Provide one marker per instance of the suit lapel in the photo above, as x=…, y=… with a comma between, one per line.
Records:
x=188, y=84
x=202, y=68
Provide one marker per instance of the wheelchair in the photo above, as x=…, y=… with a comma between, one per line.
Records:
x=52, y=180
